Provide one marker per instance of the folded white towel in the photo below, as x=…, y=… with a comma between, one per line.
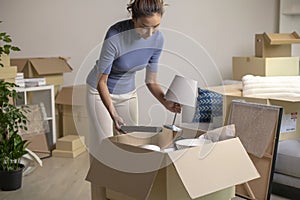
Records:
x=271, y=86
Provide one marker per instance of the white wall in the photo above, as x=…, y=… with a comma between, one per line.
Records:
x=201, y=36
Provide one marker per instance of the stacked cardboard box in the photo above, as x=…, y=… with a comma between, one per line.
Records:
x=5, y=60
x=72, y=113
x=69, y=146
x=7, y=72
x=52, y=69
x=273, y=57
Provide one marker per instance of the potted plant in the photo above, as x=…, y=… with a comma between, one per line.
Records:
x=12, y=119
x=12, y=146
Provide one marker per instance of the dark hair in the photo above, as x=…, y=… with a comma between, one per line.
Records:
x=140, y=8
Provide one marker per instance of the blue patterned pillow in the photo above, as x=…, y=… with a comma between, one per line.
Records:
x=209, y=105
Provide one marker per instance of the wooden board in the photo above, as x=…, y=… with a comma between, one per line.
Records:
x=258, y=126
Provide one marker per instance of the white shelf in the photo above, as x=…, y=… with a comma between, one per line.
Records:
x=289, y=20
x=291, y=13
x=290, y=7
x=37, y=95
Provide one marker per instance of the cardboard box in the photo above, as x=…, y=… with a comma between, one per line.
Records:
x=8, y=73
x=5, y=60
x=70, y=143
x=38, y=144
x=69, y=146
x=193, y=173
x=50, y=68
x=279, y=66
x=73, y=117
x=275, y=45
x=290, y=124
x=234, y=89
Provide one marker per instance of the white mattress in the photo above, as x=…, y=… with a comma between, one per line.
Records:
x=288, y=157
x=286, y=180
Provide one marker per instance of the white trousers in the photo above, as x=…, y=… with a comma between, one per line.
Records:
x=100, y=122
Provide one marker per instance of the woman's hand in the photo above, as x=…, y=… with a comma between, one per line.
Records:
x=118, y=122
x=106, y=99
x=158, y=93
x=172, y=106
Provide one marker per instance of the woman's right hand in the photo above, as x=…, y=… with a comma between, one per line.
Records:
x=172, y=106
x=118, y=122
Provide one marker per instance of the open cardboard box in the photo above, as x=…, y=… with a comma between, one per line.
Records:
x=51, y=68
x=209, y=171
x=275, y=44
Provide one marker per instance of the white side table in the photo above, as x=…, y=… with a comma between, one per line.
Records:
x=37, y=95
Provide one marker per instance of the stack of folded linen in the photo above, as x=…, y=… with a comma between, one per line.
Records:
x=271, y=86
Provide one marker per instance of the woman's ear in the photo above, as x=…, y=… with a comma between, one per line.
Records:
x=133, y=18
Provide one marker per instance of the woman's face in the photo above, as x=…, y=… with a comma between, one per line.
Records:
x=147, y=25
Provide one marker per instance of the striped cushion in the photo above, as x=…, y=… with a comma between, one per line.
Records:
x=209, y=105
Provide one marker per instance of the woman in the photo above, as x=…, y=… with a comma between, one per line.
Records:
x=129, y=46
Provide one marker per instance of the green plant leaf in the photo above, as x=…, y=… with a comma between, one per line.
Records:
x=13, y=48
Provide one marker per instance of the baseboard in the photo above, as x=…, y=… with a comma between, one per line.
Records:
x=286, y=191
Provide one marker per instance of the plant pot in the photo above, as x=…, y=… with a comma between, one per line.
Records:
x=11, y=180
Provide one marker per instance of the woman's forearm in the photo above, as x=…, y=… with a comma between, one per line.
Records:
x=105, y=95
x=157, y=92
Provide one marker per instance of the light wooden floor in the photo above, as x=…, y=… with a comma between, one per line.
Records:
x=58, y=179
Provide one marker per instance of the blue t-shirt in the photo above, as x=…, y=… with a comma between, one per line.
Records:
x=123, y=53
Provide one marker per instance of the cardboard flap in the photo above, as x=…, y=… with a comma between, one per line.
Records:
x=282, y=38
x=117, y=163
x=71, y=95
x=103, y=175
x=46, y=66
x=19, y=62
x=236, y=167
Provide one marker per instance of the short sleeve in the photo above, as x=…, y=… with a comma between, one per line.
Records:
x=153, y=62
x=107, y=55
